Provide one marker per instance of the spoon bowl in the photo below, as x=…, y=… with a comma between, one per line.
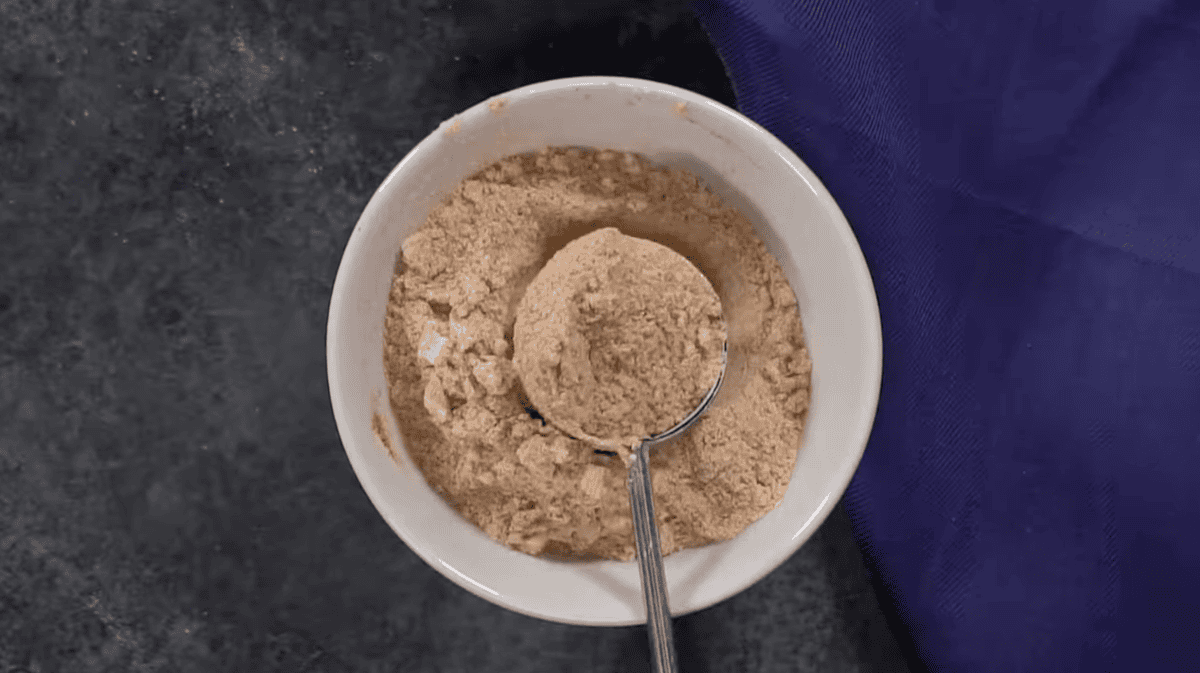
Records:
x=690, y=420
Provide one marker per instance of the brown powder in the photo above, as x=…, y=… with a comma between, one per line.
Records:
x=463, y=413
x=618, y=338
x=380, y=429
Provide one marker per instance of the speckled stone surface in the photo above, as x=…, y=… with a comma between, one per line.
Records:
x=177, y=182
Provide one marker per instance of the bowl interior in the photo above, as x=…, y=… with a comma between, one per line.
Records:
x=792, y=212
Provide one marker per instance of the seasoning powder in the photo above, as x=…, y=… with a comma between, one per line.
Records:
x=618, y=339
x=464, y=415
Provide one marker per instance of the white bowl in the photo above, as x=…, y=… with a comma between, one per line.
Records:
x=792, y=212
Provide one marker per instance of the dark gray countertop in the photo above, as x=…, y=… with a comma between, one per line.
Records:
x=177, y=181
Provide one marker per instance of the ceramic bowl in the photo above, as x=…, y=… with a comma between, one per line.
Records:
x=751, y=169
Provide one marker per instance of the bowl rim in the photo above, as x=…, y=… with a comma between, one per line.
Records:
x=864, y=418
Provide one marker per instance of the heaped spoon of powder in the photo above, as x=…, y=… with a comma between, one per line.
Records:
x=621, y=342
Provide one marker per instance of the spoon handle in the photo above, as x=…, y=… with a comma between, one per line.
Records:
x=650, y=563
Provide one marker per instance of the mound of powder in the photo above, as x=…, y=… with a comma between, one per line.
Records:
x=467, y=423
x=618, y=338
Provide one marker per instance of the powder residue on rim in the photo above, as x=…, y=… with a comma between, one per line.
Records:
x=379, y=429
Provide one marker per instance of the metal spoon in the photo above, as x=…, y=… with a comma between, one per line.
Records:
x=645, y=525
x=645, y=533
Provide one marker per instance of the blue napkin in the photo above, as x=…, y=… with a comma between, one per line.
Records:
x=1024, y=180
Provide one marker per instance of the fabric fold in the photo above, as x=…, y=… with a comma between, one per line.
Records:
x=1022, y=184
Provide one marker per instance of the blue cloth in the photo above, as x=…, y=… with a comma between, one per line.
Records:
x=1024, y=180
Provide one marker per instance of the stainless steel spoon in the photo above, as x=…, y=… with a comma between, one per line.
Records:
x=645, y=533
x=645, y=525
